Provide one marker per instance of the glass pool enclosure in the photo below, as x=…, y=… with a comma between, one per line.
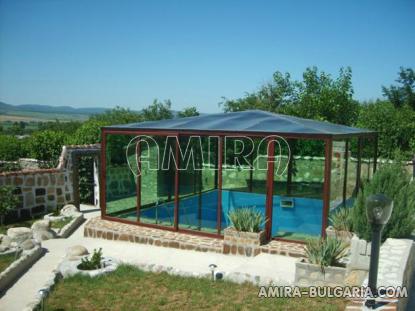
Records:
x=187, y=174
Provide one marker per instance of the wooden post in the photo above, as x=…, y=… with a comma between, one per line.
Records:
x=346, y=165
x=176, y=184
x=375, y=162
x=219, y=209
x=270, y=188
x=328, y=151
x=138, y=179
x=359, y=164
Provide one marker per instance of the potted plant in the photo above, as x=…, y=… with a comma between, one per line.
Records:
x=341, y=225
x=323, y=264
x=245, y=235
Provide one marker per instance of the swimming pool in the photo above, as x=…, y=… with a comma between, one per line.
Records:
x=302, y=217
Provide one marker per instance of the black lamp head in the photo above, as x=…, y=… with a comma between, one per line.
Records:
x=378, y=209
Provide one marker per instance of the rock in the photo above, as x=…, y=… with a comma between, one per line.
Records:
x=42, y=235
x=41, y=225
x=28, y=244
x=19, y=234
x=75, y=252
x=69, y=210
x=3, y=248
x=6, y=241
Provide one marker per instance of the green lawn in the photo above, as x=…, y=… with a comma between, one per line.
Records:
x=5, y=261
x=129, y=288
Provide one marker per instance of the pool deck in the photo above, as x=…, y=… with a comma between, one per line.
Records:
x=116, y=231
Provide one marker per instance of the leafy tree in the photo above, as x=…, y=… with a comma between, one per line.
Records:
x=318, y=96
x=8, y=201
x=395, y=183
x=157, y=111
x=88, y=133
x=396, y=126
x=12, y=148
x=404, y=93
x=47, y=146
x=188, y=112
x=117, y=115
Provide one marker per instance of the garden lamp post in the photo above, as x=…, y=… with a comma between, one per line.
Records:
x=378, y=211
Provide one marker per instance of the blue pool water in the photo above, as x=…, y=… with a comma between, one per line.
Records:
x=304, y=217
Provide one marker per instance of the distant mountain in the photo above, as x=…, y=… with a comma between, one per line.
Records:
x=6, y=109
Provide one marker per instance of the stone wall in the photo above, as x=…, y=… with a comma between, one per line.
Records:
x=242, y=243
x=307, y=274
x=42, y=190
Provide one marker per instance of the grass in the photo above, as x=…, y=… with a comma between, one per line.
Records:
x=6, y=260
x=24, y=223
x=129, y=288
x=59, y=224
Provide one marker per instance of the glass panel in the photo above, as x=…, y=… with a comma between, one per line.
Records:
x=298, y=190
x=198, y=195
x=368, y=157
x=243, y=175
x=157, y=180
x=121, y=168
x=338, y=169
x=351, y=190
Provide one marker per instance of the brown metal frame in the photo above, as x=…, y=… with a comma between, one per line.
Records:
x=328, y=152
x=270, y=174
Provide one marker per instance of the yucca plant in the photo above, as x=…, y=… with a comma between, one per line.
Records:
x=341, y=220
x=246, y=219
x=325, y=252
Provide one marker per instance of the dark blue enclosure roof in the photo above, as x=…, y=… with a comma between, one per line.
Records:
x=249, y=121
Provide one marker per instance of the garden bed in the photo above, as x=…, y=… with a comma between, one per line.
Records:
x=129, y=288
x=307, y=274
x=17, y=267
x=67, y=225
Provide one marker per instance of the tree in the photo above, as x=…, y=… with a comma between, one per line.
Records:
x=396, y=126
x=395, y=183
x=12, y=148
x=8, y=201
x=318, y=96
x=47, y=146
x=404, y=93
x=117, y=115
x=188, y=112
x=157, y=111
x=88, y=133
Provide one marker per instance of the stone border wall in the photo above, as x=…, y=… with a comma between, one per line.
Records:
x=18, y=267
x=307, y=274
x=242, y=243
x=42, y=190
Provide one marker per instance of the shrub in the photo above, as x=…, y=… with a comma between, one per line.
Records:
x=93, y=263
x=47, y=146
x=341, y=219
x=394, y=182
x=12, y=148
x=8, y=201
x=325, y=252
x=246, y=219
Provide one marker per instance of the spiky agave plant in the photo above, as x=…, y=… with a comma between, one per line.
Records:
x=341, y=219
x=246, y=219
x=325, y=252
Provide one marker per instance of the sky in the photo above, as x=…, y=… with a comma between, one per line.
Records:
x=104, y=53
